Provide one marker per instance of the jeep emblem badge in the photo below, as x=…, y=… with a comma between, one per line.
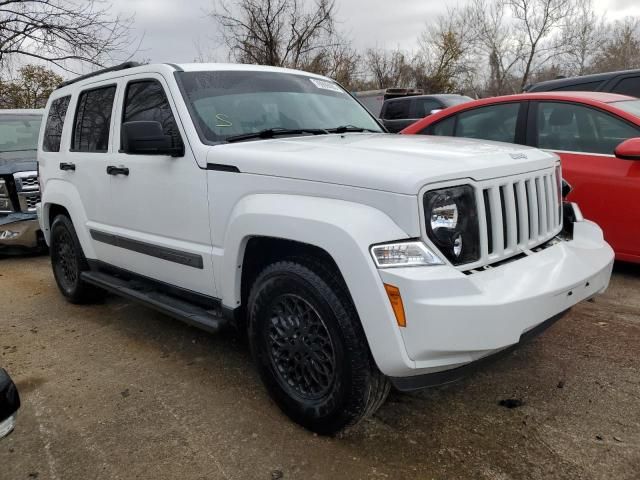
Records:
x=518, y=156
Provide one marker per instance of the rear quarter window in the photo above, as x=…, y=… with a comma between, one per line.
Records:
x=55, y=124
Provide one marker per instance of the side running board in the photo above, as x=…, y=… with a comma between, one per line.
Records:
x=209, y=320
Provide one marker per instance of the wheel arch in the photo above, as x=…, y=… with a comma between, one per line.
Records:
x=337, y=231
x=61, y=198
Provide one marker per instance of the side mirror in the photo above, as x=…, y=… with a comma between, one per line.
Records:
x=9, y=403
x=148, y=138
x=566, y=188
x=629, y=149
x=435, y=110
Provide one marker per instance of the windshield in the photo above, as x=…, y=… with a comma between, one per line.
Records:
x=629, y=106
x=225, y=104
x=19, y=132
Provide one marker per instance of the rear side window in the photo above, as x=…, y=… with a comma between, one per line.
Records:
x=628, y=86
x=93, y=120
x=55, y=123
x=146, y=101
x=396, y=110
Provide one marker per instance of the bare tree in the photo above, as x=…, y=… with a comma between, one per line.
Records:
x=583, y=36
x=497, y=42
x=275, y=32
x=389, y=68
x=62, y=31
x=338, y=61
x=446, y=48
x=539, y=20
x=621, y=49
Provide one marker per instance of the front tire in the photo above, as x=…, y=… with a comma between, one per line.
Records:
x=68, y=262
x=309, y=347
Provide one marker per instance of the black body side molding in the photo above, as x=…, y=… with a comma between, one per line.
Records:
x=169, y=254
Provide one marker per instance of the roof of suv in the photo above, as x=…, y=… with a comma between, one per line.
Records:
x=134, y=67
x=441, y=96
x=568, y=82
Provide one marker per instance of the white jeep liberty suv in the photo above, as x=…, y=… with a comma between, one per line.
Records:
x=271, y=199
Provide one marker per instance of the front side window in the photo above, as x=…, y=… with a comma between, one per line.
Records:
x=495, y=122
x=224, y=104
x=55, y=123
x=93, y=120
x=577, y=128
x=19, y=132
x=146, y=101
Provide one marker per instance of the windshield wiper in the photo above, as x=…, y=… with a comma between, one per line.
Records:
x=272, y=132
x=351, y=128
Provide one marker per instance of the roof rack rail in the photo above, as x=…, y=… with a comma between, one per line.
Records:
x=122, y=66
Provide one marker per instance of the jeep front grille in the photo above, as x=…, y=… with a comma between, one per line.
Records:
x=518, y=214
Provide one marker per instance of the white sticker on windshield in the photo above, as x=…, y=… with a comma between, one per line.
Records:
x=326, y=85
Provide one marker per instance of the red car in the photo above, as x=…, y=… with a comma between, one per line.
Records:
x=595, y=134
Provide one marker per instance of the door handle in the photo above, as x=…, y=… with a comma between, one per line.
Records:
x=68, y=166
x=112, y=170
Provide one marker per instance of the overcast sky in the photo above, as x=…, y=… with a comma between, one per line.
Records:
x=173, y=28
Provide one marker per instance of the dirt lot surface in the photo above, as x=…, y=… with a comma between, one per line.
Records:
x=117, y=391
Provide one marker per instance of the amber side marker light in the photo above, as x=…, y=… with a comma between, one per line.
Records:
x=396, y=303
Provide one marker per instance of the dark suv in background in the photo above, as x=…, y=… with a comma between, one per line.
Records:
x=398, y=113
x=19, y=186
x=626, y=82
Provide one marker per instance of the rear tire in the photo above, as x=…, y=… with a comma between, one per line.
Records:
x=68, y=262
x=309, y=347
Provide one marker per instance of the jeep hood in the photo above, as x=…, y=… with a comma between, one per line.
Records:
x=381, y=161
x=21, y=161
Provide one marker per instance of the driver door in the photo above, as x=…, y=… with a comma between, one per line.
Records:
x=159, y=214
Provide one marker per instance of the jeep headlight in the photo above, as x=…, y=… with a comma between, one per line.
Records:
x=451, y=219
x=411, y=253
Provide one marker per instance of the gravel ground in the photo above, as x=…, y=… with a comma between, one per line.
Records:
x=118, y=391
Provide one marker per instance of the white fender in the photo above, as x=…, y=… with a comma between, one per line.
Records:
x=345, y=230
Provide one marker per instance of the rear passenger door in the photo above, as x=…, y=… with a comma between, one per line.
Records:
x=88, y=154
x=159, y=213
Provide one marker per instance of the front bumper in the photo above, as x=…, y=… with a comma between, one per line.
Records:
x=19, y=230
x=454, y=318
